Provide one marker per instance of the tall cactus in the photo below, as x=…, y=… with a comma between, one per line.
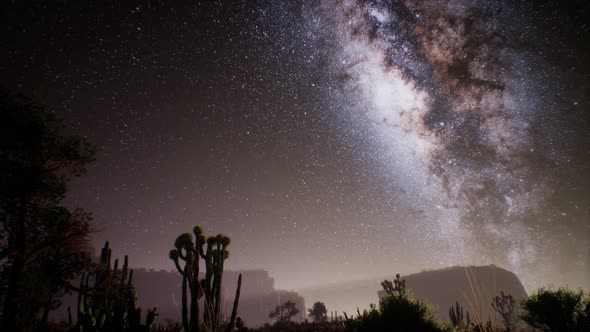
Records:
x=186, y=257
x=234, y=311
x=458, y=320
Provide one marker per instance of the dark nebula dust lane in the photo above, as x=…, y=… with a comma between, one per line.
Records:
x=331, y=140
x=469, y=115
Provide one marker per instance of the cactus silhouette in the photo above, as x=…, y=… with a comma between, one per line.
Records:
x=234, y=311
x=398, y=287
x=186, y=256
x=458, y=320
x=106, y=297
x=504, y=306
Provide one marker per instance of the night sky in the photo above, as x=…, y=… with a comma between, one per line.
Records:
x=331, y=140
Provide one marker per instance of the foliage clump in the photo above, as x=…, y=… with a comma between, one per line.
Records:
x=561, y=309
x=318, y=312
x=284, y=312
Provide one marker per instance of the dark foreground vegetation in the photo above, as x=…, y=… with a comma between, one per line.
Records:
x=44, y=256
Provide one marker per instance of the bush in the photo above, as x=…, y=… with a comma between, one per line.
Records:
x=398, y=311
x=557, y=310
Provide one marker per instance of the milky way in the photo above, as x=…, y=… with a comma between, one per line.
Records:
x=332, y=140
x=449, y=93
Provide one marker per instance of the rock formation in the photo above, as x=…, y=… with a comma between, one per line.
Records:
x=474, y=287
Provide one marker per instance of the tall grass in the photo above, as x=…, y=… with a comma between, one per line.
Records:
x=476, y=307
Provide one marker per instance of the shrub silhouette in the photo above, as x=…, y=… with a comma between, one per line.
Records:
x=284, y=312
x=318, y=312
x=557, y=310
x=398, y=311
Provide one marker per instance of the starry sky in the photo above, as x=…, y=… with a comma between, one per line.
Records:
x=331, y=140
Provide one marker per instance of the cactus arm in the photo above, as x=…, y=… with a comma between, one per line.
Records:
x=184, y=309
x=207, y=281
x=109, y=260
x=219, y=270
x=234, y=311
x=195, y=312
x=174, y=255
x=130, y=281
x=80, y=295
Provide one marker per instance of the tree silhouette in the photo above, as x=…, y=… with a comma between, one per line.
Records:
x=284, y=312
x=318, y=312
x=41, y=242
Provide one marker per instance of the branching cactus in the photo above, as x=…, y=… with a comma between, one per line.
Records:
x=186, y=256
x=398, y=287
x=504, y=306
x=106, y=298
